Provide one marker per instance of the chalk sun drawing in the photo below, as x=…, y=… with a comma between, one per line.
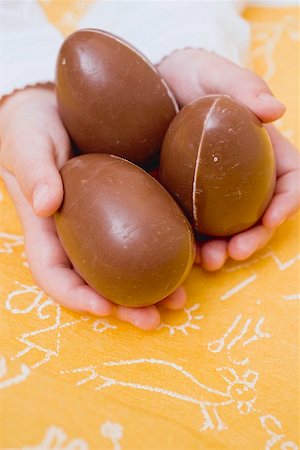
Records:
x=183, y=327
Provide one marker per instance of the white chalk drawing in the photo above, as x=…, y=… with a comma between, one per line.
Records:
x=239, y=391
x=16, y=379
x=101, y=325
x=288, y=298
x=269, y=423
x=238, y=287
x=10, y=242
x=29, y=298
x=37, y=303
x=183, y=327
x=268, y=40
x=235, y=334
x=24, y=263
x=282, y=265
x=114, y=432
x=56, y=439
x=31, y=301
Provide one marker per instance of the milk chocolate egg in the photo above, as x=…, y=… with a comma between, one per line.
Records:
x=110, y=98
x=122, y=231
x=218, y=162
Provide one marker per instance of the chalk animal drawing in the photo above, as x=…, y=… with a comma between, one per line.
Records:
x=239, y=391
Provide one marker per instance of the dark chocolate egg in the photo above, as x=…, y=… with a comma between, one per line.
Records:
x=218, y=162
x=122, y=231
x=110, y=98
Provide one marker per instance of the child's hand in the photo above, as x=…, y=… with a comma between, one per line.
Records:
x=34, y=146
x=194, y=73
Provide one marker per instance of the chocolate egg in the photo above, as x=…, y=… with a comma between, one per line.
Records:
x=122, y=231
x=110, y=98
x=218, y=162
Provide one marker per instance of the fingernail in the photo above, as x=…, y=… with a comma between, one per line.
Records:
x=40, y=197
x=271, y=100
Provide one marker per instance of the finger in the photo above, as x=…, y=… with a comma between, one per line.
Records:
x=146, y=318
x=32, y=161
x=49, y=265
x=286, y=200
x=287, y=156
x=243, y=85
x=176, y=300
x=244, y=244
x=214, y=254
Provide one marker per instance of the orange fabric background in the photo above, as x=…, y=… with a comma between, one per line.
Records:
x=222, y=374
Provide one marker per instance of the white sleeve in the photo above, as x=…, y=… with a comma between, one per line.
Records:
x=28, y=46
x=157, y=28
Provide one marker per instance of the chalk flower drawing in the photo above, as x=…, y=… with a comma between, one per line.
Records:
x=114, y=432
x=56, y=439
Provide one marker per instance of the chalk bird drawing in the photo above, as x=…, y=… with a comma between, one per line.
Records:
x=239, y=390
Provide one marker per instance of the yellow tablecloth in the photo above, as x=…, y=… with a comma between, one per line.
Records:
x=223, y=373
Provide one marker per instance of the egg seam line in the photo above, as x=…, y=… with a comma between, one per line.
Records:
x=195, y=212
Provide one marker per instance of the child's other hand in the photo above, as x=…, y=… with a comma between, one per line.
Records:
x=194, y=73
x=34, y=146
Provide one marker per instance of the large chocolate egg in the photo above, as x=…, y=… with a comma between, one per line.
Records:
x=218, y=162
x=110, y=98
x=122, y=231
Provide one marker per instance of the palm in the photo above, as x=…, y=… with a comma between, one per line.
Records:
x=189, y=73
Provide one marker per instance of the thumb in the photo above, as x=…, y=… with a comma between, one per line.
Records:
x=194, y=73
x=248, y=88
x=36, y=171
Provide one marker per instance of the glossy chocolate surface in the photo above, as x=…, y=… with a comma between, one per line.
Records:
x=122, y=230
x=111, y=99
x=218, y=162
